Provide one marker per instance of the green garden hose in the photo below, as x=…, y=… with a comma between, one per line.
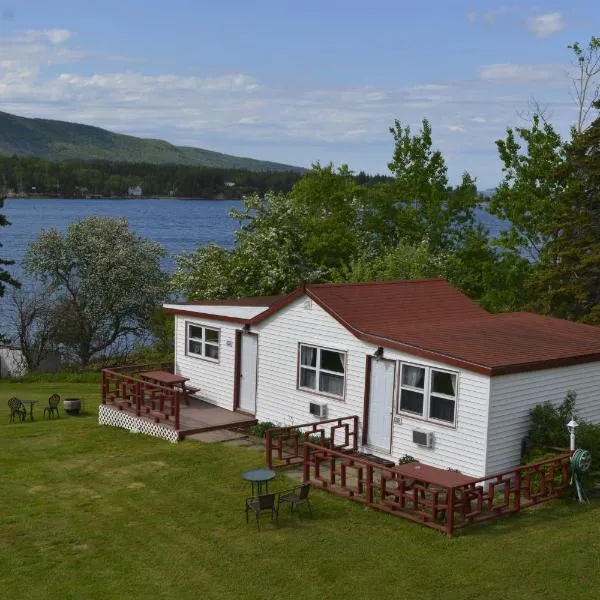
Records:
x=580, y=464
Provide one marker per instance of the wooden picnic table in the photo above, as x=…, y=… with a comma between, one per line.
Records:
x=168, y=379
x=434, y=475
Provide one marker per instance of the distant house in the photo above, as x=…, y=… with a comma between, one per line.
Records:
x=429, y=372
x=134, y=190
x=230, y=184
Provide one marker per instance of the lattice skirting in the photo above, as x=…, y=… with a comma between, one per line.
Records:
x=107, y=415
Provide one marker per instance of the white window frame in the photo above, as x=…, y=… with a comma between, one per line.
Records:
x=318, y=370
x=204, y=343
x=427, y=393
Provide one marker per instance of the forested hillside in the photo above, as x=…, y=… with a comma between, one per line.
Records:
x=60, y=140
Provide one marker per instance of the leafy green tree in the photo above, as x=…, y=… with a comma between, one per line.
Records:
x=405, y=261
x=421, y=203
x=107, y=281
x=526, y=196
x=567, y=281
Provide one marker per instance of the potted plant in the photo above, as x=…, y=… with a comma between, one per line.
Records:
x=72, y=406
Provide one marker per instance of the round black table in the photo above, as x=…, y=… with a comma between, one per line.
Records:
x=31, y=403
x=258, y=477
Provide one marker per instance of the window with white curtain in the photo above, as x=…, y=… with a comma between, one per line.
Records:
x=322, y=370
x=202, y=341
x=428, y=393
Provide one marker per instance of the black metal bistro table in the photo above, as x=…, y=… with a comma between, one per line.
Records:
x=30, y=403
x=258, y=477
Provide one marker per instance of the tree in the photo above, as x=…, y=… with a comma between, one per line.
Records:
x=5, y=277
x=106, y=279
x=405, y=261
x=421, y=203
x=33, y=322
x=567, y=282
x=585, y=79
x=526, y=196
x=283, y=239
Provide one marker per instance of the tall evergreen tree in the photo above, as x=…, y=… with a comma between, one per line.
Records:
x=567, y=282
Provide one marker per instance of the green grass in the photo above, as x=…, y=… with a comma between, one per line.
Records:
x=97, y=512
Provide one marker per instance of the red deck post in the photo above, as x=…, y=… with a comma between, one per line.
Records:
x=138, y=398
x=104, y=390
x=517, y=501
x=306, y=465
x=177, y=403
x=450, y=510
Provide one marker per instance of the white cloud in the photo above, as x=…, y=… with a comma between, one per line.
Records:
x=240, y=113
x=522, y=73
x=472, y=16
x=54, y=36
x=545, y=25
x=494, y=15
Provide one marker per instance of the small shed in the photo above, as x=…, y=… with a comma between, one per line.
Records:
x=12, y=363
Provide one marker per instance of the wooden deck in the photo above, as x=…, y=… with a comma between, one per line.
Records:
x=173, y=409
x=201, y=416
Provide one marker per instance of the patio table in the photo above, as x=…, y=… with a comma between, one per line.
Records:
x=258, y=477
x=168, y=379
x=30, y=403
x=433, y=475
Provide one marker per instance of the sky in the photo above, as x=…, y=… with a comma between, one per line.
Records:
x=297, y=82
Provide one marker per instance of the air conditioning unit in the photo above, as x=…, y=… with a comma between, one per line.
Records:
x=423, y=438
x=318, y=410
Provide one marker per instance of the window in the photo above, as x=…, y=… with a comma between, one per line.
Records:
x=428, y=393
x=203, y=341
x=322, y=370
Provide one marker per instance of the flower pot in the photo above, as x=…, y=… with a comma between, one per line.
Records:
x=72, y=406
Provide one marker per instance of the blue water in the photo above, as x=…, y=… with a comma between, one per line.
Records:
x=177, y=225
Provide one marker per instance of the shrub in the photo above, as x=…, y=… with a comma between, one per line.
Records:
x=260, y=429
x=406, y=459
x=548, y=427
x=548, y=423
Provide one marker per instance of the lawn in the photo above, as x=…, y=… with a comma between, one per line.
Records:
x=100, y=513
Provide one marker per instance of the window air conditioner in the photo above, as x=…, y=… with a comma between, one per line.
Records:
x=423, y=438
x=318, y=410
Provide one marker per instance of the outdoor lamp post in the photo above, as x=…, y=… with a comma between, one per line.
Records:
x=571, y=427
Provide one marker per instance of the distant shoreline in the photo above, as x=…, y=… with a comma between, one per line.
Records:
x=123, y=198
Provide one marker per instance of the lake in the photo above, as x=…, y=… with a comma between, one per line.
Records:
x=177, y=225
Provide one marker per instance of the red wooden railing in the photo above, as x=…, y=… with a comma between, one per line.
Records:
x=441, y=507
x=284, y=445
x=145, y=399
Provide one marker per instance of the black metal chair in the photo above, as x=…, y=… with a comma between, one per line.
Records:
x=52, y=407
x=296, y=496
x=17, y=409
x=259, y=504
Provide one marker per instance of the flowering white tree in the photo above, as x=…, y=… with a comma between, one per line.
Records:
x=107, y=281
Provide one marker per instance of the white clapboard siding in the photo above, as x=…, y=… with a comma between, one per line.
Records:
x=214, y=379
x=279, y=400
x=513, y=397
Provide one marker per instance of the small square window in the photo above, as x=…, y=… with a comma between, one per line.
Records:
x=203, y=342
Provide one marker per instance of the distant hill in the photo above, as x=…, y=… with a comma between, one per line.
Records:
x=62, y=141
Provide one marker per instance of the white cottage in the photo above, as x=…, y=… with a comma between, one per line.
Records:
x=429, y=372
